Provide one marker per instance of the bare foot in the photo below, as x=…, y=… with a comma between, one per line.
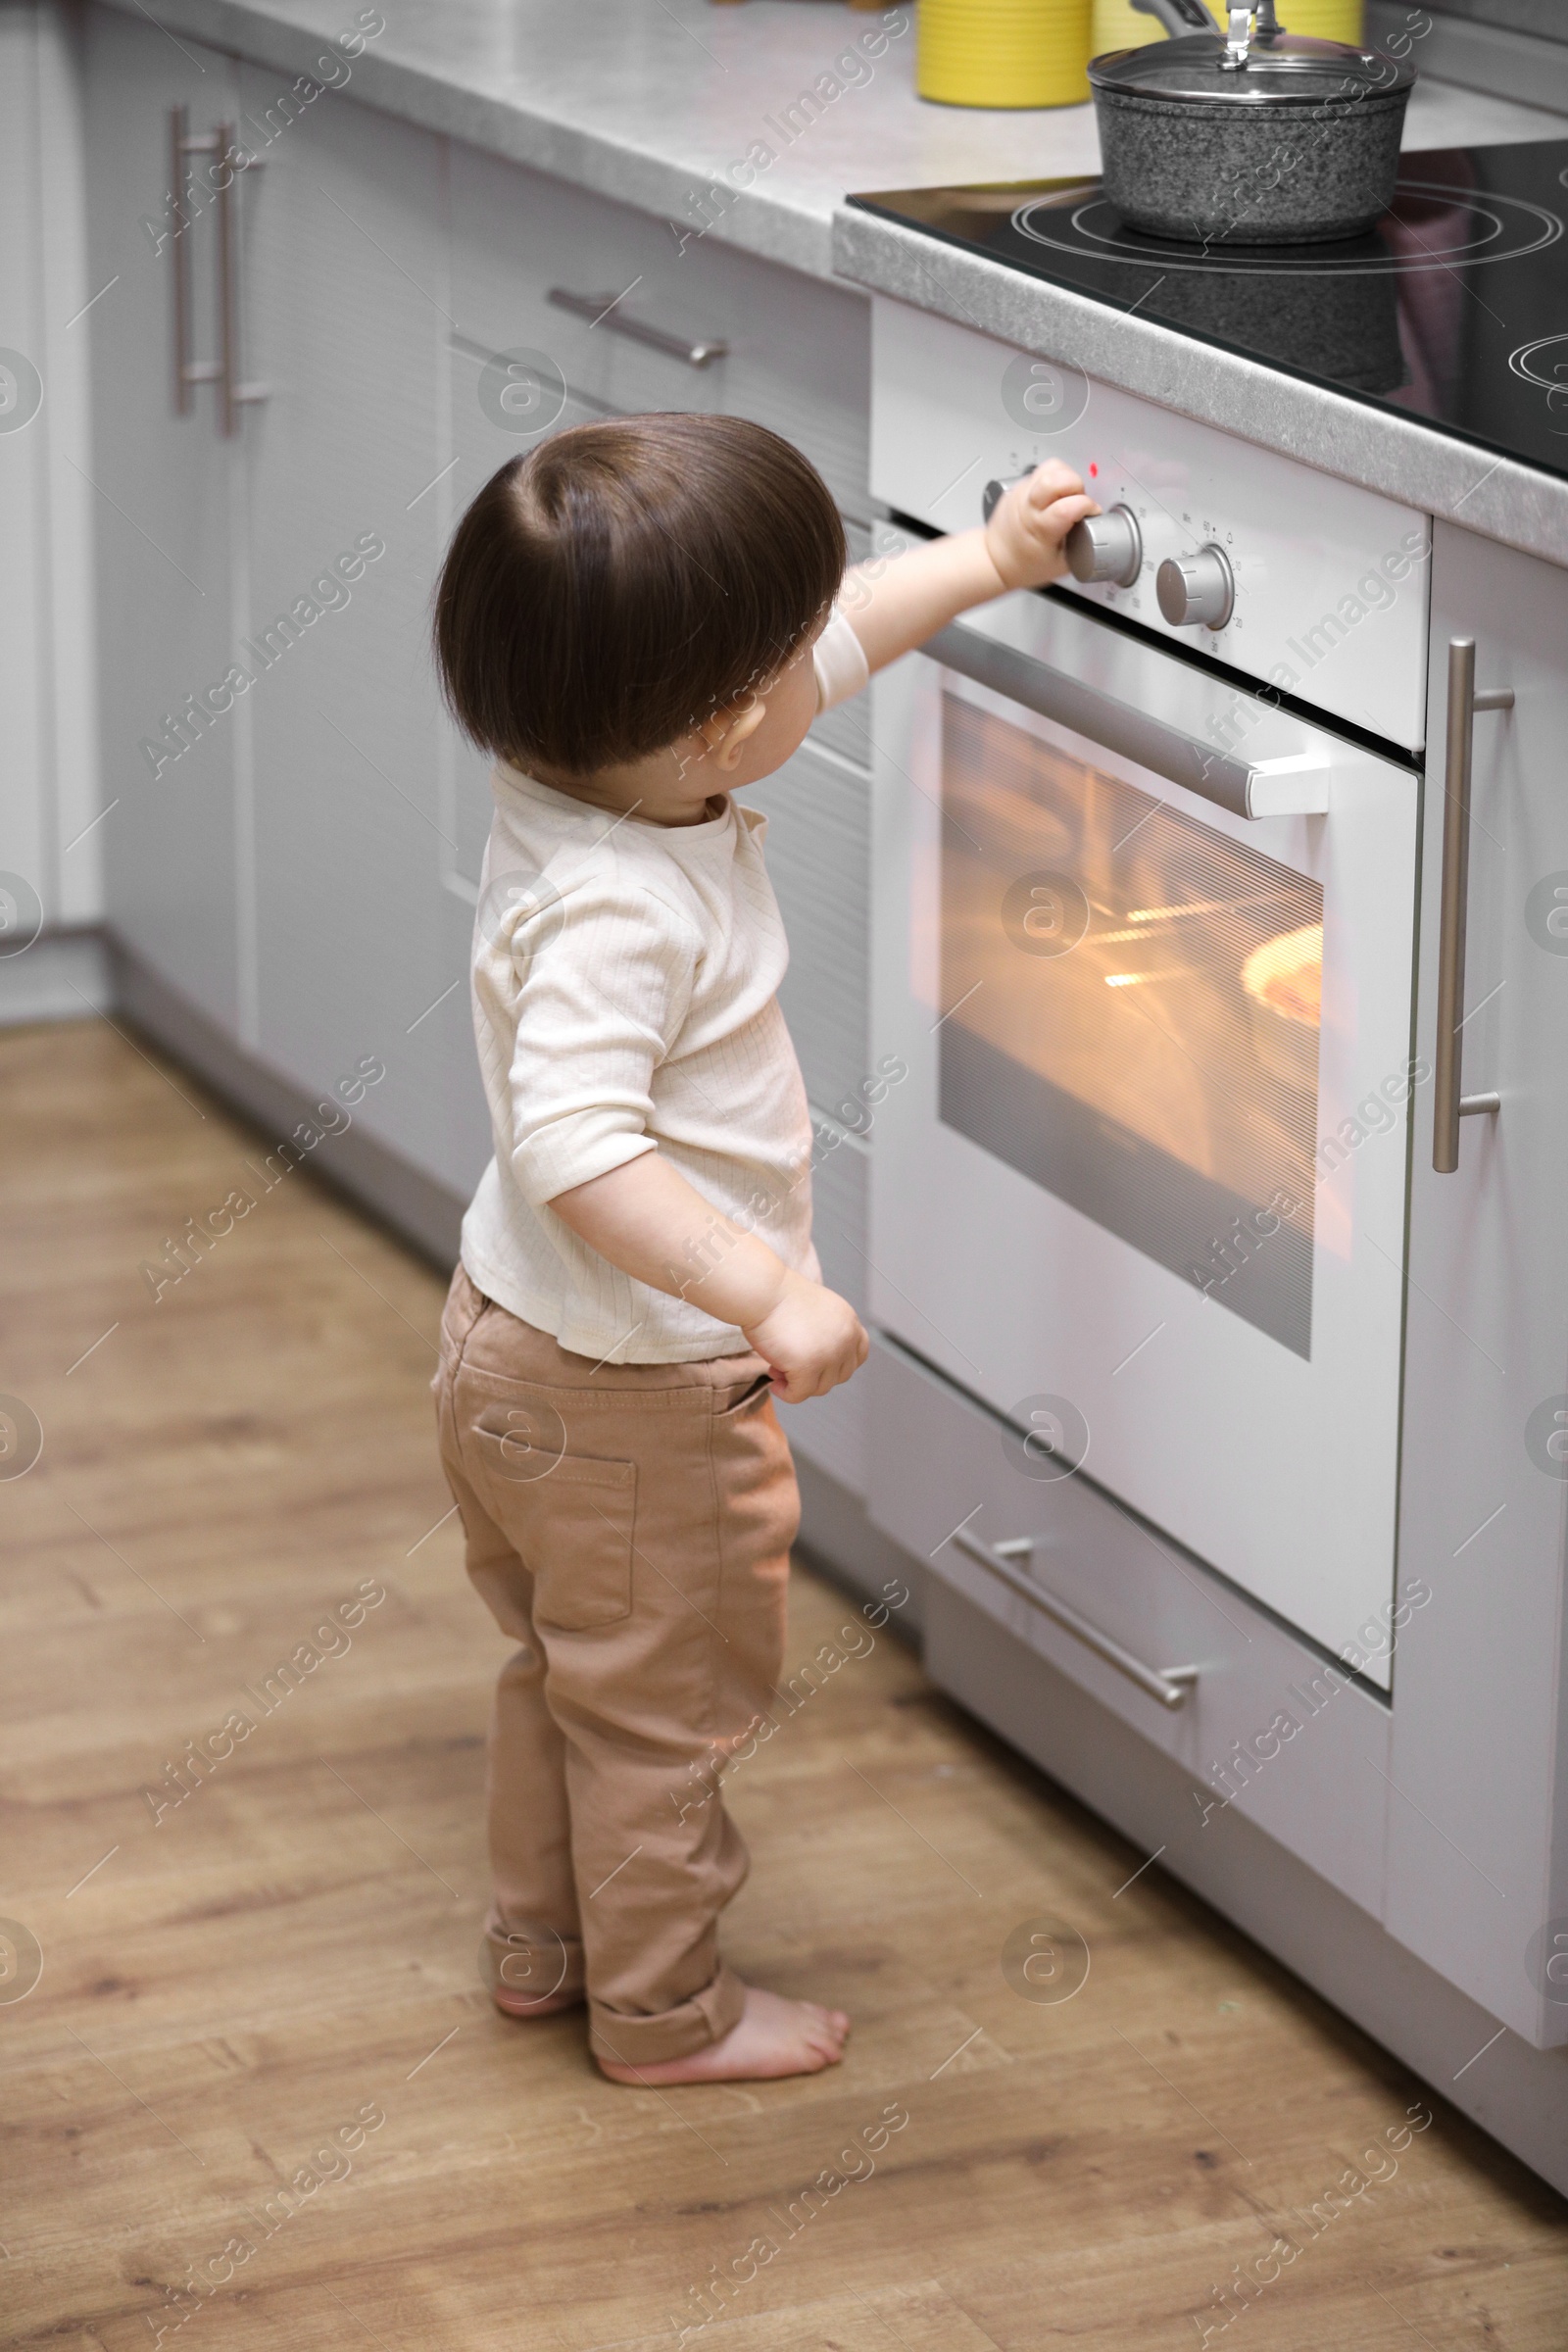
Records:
x=519, y=2005
x=774, y=2036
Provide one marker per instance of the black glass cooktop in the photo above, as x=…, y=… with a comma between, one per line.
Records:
x=1454, y=310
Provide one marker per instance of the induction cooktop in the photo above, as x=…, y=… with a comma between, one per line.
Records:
x=1454, y=310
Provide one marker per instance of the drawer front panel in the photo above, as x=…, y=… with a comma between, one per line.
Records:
x=847, y=728
x=831, y=1430
x=818, y=812
x=1291, y=1742
x=799, y=357
x=839, y=1185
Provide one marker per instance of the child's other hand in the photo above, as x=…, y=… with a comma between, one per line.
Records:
x=812, y=1338
x=1029, y=525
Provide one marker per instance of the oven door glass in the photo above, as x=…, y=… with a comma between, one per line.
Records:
x=1149, y=1162
x=1135, y=1006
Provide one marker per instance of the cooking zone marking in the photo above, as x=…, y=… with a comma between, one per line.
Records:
x=1495, y=216
x=1554, y=386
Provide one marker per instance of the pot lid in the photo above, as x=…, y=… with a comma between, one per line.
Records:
x=1289, y=69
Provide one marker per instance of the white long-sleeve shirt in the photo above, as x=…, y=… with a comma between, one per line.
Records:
x=625, y=1000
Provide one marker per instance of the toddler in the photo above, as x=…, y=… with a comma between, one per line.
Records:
x=636, y=619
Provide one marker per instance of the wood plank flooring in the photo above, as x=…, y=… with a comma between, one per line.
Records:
x=257, y=2098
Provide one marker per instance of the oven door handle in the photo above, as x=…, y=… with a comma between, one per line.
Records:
x=1290, y=787
x=1170, y=1685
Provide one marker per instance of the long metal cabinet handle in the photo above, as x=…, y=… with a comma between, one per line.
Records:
x=1269, y=789
x=1448, y=1105
x=233, y=395
x=600, y=311
x=227, y=292
x=188, y=372
x=223, y=371
x=1170, y=1685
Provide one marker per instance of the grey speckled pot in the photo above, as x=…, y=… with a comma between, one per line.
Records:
x=1231, y=174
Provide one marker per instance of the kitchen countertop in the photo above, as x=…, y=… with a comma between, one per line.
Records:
x=646, y=100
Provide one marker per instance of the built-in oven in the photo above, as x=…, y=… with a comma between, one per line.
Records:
x=1146, y=947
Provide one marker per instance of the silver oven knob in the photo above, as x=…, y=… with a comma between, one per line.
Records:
x=1106, y=547
x=993, y=492
x=1196, y=591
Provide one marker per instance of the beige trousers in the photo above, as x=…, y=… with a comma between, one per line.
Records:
x=628, y=1524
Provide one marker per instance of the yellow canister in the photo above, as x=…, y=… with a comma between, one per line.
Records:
x=1004, y=52
x=1117, y=25
x=1326, y=19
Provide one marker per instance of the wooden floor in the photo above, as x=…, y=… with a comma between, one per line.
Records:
x=234, y=1991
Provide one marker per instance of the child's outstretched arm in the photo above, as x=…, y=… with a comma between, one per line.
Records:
x=893, y=607
x=650, y=1222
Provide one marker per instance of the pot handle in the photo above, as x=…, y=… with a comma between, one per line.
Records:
x=1191, y=16
x=1176, y=16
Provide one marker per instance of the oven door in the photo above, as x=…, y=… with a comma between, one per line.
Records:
x=1142, y=1189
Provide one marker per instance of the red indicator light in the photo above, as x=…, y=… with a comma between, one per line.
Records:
x=1093, y=471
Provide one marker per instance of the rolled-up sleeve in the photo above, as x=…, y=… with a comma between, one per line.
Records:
x=600, y=985
x=839, y=661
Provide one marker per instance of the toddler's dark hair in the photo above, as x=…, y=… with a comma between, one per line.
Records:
x=615, y=585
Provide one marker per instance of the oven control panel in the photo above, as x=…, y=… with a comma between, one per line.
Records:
x=1303, y=581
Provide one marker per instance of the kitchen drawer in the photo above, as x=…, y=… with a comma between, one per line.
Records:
x=818, y=811
x=847, y=728
x=839, y=1188
x=799, y=348
x=846, y=731
x=1303, y=1749
x=831, y=1430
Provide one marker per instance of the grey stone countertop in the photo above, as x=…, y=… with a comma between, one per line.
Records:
x=653, y=101
x=650, y=100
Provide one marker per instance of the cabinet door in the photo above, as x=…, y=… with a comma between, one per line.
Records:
x=344, y=310
x=165, y=518
x=1478, y=1828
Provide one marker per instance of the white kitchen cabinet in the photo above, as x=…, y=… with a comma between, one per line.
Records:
x=515, y=235
x=1478, y=1827
x=303, y=874
x=345, y=325
x=833, y=1431
x=48, y=732
x=818, y=811
x=798, y=356
x=287, y=874
x=169, y=527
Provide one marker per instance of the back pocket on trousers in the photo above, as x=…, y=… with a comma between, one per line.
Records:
x=577, y=1536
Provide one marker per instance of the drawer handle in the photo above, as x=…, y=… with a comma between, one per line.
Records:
x=1170, y=1685
x=1449, y=1106
x=600, y=311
